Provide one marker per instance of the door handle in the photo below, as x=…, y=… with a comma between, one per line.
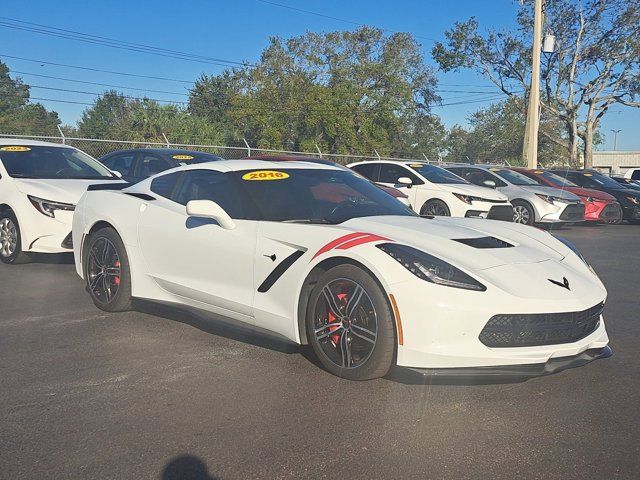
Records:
x=272, y=256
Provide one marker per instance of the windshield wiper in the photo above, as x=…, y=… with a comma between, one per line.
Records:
x=307, y=220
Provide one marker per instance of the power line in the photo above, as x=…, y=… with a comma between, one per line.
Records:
x=114, y=43
x=330, y=17
x=44, y=87
x=91, y=69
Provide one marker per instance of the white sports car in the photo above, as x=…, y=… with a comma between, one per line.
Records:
x=321, y=256
x=40, y=184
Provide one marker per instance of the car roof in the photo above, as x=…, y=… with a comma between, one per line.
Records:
x=165, y=151
x=250, y=164
x=397, y=162
x=31, y=143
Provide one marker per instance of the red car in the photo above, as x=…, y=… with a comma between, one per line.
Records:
x=598, y=206
x=394, y=192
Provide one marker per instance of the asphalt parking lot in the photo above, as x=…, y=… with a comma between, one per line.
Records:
x=161, y=394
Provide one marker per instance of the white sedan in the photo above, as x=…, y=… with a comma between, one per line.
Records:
x=40, y=183
x=434, y=191
x=320, y=256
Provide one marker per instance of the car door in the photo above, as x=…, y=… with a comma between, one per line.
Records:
x=391, y=172
x=195, y=258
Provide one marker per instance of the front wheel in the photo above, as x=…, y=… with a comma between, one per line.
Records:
x=106, y=271
x=435, y=208
x=11, y=240
x=523, y=213
x=350, y=325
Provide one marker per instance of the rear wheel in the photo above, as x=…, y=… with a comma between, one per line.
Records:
x=435, y=208
x=107, y=273
x=350, y=325
x=523, y=213
x=11, y=240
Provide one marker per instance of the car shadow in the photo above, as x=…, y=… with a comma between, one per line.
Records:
x=186, y=467
x=218, y=325
x=52, y=258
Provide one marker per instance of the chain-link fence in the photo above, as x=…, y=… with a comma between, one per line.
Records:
x=99, y=147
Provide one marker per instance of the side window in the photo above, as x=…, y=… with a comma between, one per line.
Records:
x=636, y=174
x=368, y=170
x=164, y=185
x=391, y=172
x=120, y=163
x=150, y=164
x=211, y=185
x=489, y=176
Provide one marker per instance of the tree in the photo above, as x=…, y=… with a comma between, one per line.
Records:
x=347, y=92
x=19, y=116
x=596, y=63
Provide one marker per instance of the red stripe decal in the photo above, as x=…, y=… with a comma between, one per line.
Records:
x=334, y=243
x=360, y=241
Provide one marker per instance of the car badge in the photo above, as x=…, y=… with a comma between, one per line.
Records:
x=564, y=283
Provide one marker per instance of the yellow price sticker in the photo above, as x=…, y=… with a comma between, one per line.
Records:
x=538, y=172
x=588, y=174
x=14, y=148
x=416, y=165
x=265, y=175
x=183, y=157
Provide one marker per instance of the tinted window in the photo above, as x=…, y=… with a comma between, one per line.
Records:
x=150, y=164
x=318, y=196
x=391, y=172
x=120, y=163
x=214, y=186
x=51, y=163
x=164, y=185
x=369, y=170
x=187, y=158
x=635, y=175
x=556, y=179
x=436, y=174
x=477, y=176
x=514, y=177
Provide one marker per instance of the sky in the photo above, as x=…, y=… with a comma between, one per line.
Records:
x=236, y=31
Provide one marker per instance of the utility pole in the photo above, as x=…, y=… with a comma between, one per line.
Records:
x=530, y=149
x=615, y=139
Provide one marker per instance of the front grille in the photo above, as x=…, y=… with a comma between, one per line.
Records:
x=528, y=330
x=67, y=242
x=611, y=212
x=573, y=212
x=501, y=212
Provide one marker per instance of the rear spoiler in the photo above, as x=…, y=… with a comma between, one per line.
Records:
x=108, y=186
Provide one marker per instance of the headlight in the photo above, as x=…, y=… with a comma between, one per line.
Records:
x=48, y=207
x=573, y=248
x=464, y=198
x=430, y=268
x=634, y=200
x=549, y=198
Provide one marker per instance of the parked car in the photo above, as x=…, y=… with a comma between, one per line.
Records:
x=632, y=174
x=40, y=184
x=627, y=182
x=628, y=198
x=598, y=206
x=434, y=191
x=139, y=163
x=532, y=202
x=356, y=275
x=394, y=192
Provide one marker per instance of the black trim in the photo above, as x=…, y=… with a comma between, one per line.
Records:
x=484, y=242
x=554, y=365
x=67, y=242
x=141, y=196
x=108, y=186
x=277, y=272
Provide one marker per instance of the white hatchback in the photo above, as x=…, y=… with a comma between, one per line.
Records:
x=40, y=184
x=434, y=191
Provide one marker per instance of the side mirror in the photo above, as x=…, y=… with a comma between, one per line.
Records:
x=209, y=209
x=406, y=181
x=489, y=183
x=116, y=173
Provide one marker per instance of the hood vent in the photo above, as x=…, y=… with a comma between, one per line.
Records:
x=484, y=242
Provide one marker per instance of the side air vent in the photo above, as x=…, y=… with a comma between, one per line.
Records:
x=141, y=196
x=484, y=242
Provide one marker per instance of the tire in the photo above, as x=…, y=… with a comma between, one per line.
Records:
x=11, y=239
x=435, y=208
x=368, y=333
x=106, y=271
x=523, y=213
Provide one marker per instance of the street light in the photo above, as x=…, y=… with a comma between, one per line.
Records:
x=615, y=139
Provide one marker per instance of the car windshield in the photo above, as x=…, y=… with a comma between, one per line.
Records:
x=603, y=180
x=555, y=179
x=315, y=196
x=514, y=177
x=51, y=163
x=436, y=174
x=188, y=158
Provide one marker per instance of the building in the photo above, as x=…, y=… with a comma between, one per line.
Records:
x=615, y=162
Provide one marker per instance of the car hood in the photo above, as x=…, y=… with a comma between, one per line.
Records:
x=555, y=192
x=477, y=191
x=589, y=192
x=57, y=190
x=440, y=236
